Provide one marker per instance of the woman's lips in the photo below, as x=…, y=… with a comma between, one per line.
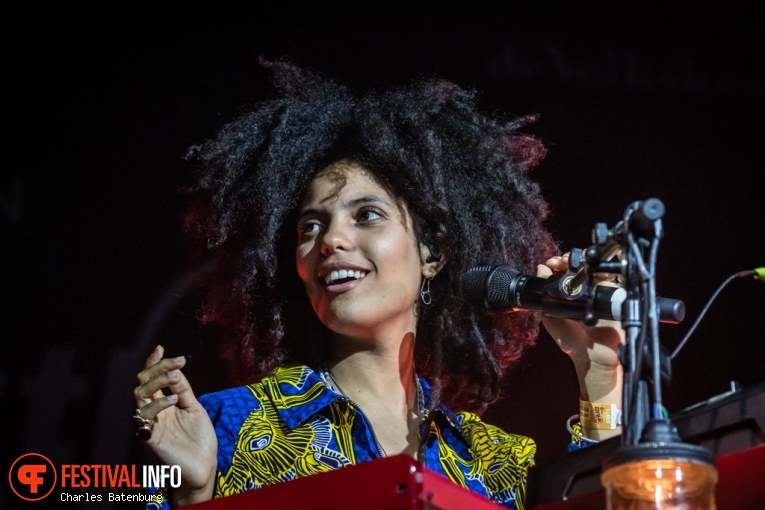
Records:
x=339, y=288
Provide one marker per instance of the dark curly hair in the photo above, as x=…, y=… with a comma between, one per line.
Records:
x=462, y=175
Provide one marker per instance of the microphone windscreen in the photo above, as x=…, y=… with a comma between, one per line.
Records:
x=489, y=286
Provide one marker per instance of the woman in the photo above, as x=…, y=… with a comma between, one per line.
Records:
x=341, y=222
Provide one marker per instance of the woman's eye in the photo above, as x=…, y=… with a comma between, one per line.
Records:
x=368, y=215
x=308, y=227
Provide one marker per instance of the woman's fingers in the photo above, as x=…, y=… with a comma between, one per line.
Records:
x=159, y=374
x=155, y=356
x=558, y=263
x=156, y=406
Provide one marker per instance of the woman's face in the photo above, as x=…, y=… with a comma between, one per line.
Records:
x=357, y=254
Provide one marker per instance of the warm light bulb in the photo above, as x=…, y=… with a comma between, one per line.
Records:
x=660, y=472
x=660, y=484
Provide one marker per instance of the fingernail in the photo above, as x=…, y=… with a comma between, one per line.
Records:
x=172, y=398
x=179, y=358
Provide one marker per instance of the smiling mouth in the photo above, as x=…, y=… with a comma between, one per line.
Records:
x=342, y=276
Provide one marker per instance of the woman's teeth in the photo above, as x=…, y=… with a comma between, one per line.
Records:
x=342, y=274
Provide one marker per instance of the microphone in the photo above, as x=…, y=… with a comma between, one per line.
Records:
x=502, y=289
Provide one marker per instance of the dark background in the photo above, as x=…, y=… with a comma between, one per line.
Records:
x=99, y=108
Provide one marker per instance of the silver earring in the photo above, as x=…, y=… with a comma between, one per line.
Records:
x=425, y=291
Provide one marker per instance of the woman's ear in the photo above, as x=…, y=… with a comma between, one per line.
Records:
x=432, y=257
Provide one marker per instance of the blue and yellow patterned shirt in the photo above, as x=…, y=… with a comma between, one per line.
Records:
x=293, y=424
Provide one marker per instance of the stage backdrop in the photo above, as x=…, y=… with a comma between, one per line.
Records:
x=100, y=108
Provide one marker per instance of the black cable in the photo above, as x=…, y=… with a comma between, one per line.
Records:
x=757, y=273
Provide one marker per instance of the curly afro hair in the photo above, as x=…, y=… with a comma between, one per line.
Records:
x=462, y=174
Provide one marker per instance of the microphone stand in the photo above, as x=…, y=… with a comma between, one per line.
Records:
x=650, y=444
x=639, y=231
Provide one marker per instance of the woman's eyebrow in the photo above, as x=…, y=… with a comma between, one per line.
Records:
x=367, y=199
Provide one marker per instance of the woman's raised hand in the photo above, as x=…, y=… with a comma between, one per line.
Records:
x=595, y=344
x=180, y=431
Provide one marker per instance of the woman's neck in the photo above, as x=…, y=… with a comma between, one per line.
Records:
x=381, y=373
x=381, y=382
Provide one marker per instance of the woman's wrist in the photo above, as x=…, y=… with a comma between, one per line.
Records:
x=183, y=497
x=599, y=382
x=600, y=400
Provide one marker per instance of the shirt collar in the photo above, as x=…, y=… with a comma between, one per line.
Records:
x=298, y=392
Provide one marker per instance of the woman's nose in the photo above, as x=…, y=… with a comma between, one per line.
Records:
x=337, y=237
